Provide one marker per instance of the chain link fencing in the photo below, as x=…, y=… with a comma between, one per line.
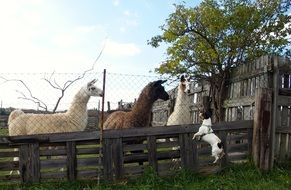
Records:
x=53, y=94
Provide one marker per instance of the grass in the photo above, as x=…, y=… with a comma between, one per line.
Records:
x=3, y=131
x=238, y=176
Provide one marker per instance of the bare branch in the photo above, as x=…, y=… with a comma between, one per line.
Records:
x=32, y=98
x=51, y=80
x=68, y=83
x=41, y=105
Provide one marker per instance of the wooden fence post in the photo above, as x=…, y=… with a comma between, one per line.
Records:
x=117, y=157
x=29, y=164
x=152, y=152
x=71, y=161
x=107, y=159
x=195, y=154
x=262, y=153
x=223, y=138
x=186, y=151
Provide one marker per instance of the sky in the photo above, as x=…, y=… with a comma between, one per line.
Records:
x=67, y=35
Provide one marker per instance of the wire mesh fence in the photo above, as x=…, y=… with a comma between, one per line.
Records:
x=53, y=93
x=61, y=102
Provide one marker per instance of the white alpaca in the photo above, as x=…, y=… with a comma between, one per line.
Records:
x=181, y=113
x=75, y=119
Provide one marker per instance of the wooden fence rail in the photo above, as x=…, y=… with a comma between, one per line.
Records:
x=76, y=155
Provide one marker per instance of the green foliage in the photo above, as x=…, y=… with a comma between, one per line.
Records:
x=220, y=34
x=3, y=131
x=209, y=40
x=238, y=176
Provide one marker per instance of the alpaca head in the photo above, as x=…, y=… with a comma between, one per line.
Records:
x=185, y=84
x=92, y=90
x=157, y=91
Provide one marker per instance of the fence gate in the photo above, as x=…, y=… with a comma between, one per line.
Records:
x=282, y=110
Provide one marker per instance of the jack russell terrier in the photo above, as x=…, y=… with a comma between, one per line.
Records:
x=206, y=134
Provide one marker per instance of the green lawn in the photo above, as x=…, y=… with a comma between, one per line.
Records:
x=239, y=176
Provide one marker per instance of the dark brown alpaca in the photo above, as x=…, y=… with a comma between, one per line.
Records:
x=140, y=114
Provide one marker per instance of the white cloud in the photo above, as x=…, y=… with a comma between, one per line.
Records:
x=116, y=2
x=121, y=49
x=129, y=20
x=126, y=13
x=133, y=23
x=122, y=29
x=64, y=40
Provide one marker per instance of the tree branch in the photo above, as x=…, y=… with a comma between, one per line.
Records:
x=32, y=98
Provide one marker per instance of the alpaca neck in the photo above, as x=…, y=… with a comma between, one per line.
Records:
x=143, y=106
x=182, y=99
x=79, y=104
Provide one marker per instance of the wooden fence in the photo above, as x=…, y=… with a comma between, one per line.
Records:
x=272, y=72
x=77, y=155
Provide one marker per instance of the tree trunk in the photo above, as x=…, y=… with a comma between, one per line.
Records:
x=218, y=92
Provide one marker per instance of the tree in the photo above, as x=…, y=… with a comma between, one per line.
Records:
x=209, y=40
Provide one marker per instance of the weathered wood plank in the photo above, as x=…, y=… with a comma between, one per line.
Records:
x=191, y=128
x=71, y=161
x=289, y=147
x=53, y=163
x=284, y=100
x=107, y=159
x=34, y=163
x=9, y=165
x=23, y=163
x=87, y=174
x=147, y=131
x=117, y=157
x=164, y=152
x=241, y=101
x=238, y=157
x=10, y=178
x=195, y=154
x=223, y=138
x=86, y=162
x=238, y=147
x=262, y=129
x=283, y=147
x=133, y=171
x=134, y=147
x=283, y=130
x=53, y=175
x=93, y=150
x=9, y=154
x=52, y=151
x=152, y=152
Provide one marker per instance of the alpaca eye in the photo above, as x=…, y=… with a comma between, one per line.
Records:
x=93, y=88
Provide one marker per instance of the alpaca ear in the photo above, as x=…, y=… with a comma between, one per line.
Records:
x=92, y=82
x=182, y=79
